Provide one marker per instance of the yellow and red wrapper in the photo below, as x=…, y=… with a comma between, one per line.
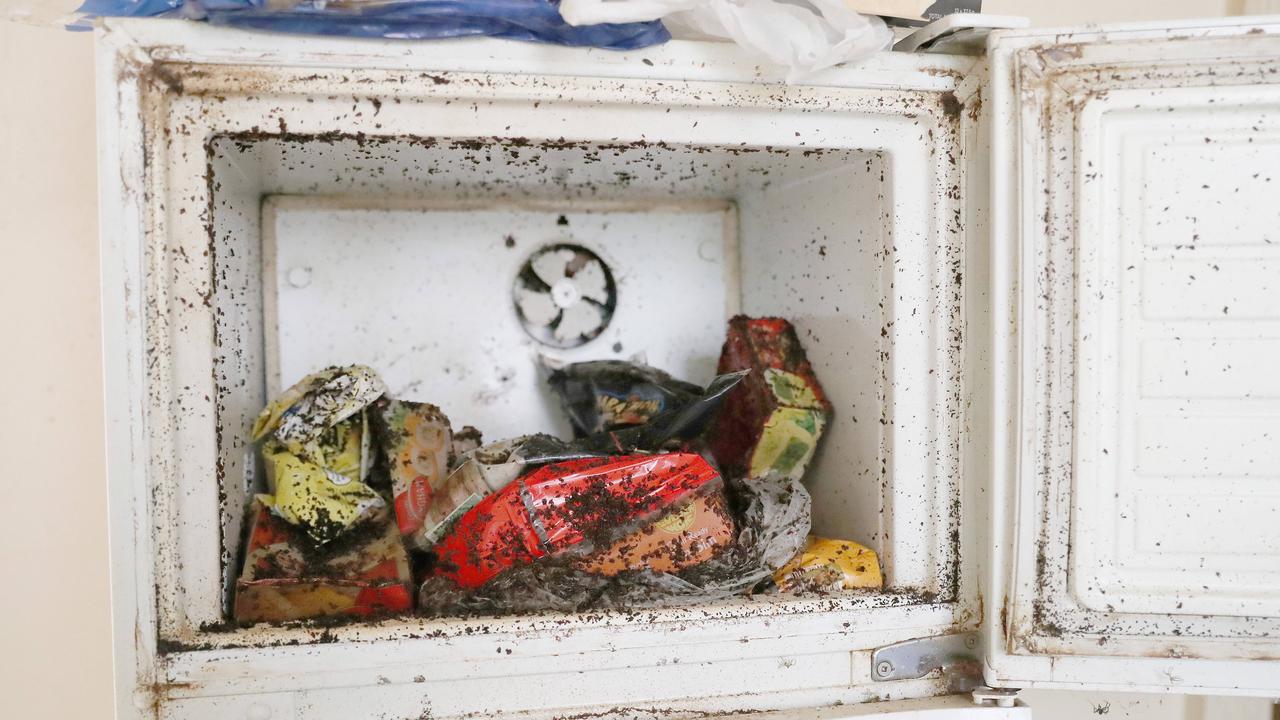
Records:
x=773, y=419
x=573, y=506
x=287, y=577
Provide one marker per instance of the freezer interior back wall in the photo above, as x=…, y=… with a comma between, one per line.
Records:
x=298, y=228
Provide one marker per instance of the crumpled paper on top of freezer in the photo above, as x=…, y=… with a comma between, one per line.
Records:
x=803, y=36
x=774, y=526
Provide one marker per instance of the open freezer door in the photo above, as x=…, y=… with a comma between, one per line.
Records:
x=1136, y=365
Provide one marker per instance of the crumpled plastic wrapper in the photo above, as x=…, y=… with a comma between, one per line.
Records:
x=774, y=525
x=605, y=395
x=826, y=565
x=773, y=420
x=569, y=508
x=501, y=462
x=318, y=402
x=495, y=465
x=316, y=448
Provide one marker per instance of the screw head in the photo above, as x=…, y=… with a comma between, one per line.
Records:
x=884, y=668
x=299, y=277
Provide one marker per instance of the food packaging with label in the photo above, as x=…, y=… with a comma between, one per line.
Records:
x=826, y=565
x=287, y=576
x=416, y=442
x=315, y=445
x=691, y=533
x=606, y=395
x=773, y=419
x=572, y=506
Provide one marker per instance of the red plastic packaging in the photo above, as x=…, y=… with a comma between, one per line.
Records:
x=773, y=419
x=561, y=506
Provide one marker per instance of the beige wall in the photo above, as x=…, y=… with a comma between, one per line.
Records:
x=54, y=619
x=54, y=633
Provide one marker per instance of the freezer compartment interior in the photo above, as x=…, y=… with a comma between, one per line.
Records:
x=402, y=253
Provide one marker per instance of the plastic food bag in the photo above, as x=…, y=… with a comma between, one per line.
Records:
x=286, y=577
x=496, y=464
x=803, y=38
x=605, y=395
x=579, y=505
x=775, y=418
x=315, y=443
x=689, y=533
x=827, y=565
x=535, y=20
x=416, y=441
x=773, y=525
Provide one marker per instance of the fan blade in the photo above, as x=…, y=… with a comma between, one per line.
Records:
x=550, y=266
x=537, y=307
x=582, y=319
x=591, y=283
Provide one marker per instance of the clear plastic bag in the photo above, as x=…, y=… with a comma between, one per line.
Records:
x=532, y=20
x=805, y=37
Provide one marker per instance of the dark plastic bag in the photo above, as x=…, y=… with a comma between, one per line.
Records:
x=604, y=395
x=531, y=20
x=502, y=461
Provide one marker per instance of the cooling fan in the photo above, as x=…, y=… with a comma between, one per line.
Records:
x=565, y=295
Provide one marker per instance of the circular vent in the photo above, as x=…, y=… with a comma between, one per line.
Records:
x=565, y=295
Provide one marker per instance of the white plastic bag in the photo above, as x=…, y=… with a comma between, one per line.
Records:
x=789, y=34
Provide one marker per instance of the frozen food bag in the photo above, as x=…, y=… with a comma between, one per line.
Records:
x=827, y=565
x=317, y=402
x=772, y=421
x=415, y=439
x=577, y=505
x=315, y=445
x=690, y=533
x=671, y=429
x=287, y=576
x=605, y=395
x=323, y=495
x=771, y=526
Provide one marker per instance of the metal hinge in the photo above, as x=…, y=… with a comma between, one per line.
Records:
x=955, y=655
x=1000, y=697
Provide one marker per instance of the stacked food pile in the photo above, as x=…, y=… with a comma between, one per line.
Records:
x=669, y=493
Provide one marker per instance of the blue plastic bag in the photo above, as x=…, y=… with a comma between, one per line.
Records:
x=533, y=20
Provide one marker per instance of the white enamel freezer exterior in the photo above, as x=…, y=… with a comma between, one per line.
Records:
x=1048, y=277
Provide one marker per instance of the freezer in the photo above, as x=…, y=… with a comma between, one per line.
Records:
x=1039, y=287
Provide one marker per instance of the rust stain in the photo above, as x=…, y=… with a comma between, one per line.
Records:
x=1062, y=53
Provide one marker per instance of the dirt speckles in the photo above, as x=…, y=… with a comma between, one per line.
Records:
x=951, y=105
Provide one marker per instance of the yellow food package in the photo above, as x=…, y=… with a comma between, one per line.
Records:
x=318, y=402
x=320, y=489
x=316, y=449
x=826, y=565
